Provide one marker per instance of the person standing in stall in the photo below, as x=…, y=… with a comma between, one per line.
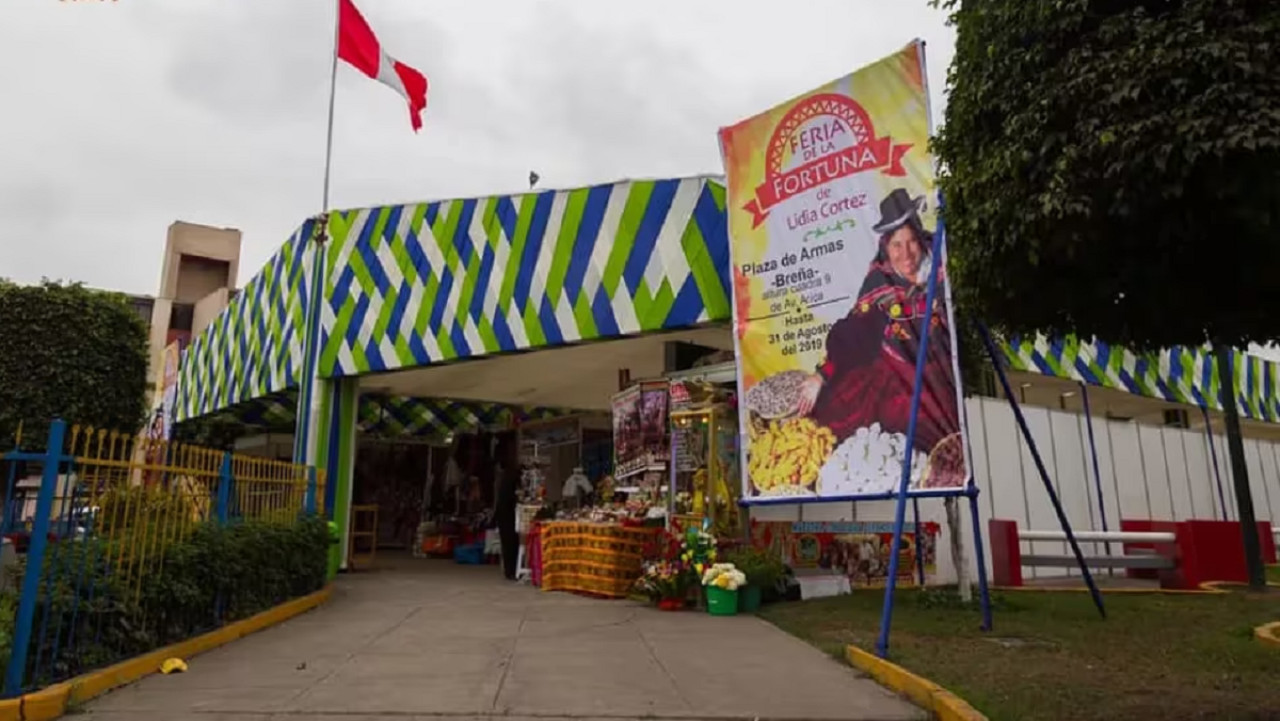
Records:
x=505, y=511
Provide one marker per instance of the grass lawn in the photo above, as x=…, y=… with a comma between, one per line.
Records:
x=1273, y=574
x=1051, y=657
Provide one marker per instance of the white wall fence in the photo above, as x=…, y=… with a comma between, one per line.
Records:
x=1146, y=471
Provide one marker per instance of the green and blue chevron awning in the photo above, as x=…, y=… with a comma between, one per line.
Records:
x=412, y=285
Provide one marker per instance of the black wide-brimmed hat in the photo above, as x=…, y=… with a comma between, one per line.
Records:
x=897, y=209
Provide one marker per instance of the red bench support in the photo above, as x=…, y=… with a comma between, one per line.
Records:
x=1202, y=551
x=1139, y=525
x=1006, y=553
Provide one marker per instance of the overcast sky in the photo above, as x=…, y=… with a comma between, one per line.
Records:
x=121, y=116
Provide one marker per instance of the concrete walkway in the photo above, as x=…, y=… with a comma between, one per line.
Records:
x=430, y=639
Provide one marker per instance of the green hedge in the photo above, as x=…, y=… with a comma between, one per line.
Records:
x=69, y=352
x=94, y=614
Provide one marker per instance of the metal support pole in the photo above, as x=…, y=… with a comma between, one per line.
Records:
x=1213, y=453
x=984, y=590
x=917, y=389
x=915, y=521
x=16, y=671
x=1093, y=454
x=1044, y=474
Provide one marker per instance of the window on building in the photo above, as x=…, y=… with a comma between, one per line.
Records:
x=182, y=316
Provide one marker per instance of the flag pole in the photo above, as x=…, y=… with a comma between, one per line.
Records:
x=307, y=410
x=333, y=87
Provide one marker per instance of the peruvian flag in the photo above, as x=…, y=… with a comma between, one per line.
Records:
x=360, y=47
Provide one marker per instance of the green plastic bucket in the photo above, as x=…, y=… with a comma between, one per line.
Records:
x=749, y=599
x=721, y=602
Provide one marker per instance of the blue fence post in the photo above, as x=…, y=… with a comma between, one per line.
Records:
x=309, y=503
x=224, y=488
x=13, y=677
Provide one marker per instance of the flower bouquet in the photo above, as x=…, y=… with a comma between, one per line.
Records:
x=722, y=581
x=673, y=565
x=665, y=583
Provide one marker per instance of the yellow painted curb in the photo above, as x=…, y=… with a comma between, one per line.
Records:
x=51, y=703
x=943, y=704
x=1268, y=633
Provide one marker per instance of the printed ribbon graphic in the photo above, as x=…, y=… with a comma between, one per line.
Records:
x=879, y=153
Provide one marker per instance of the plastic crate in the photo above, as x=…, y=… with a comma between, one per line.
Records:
x=471, y=554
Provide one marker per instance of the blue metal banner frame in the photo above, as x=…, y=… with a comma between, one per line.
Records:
x=900, y=511
x=1040, y=467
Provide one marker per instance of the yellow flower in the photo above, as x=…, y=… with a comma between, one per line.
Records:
x=895, y=310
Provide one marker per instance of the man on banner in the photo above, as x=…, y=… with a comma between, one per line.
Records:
x=831, y=234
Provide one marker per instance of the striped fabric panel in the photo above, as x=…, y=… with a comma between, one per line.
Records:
x=254, y=347
x=1180, y=374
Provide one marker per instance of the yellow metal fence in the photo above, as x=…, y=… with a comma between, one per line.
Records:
x=104, y=522
x=140, y=495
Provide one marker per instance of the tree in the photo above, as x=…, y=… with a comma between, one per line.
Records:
x=1112, y=169
x=69, y=352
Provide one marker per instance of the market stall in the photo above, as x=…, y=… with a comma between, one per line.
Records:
x=598, y=559
x=591, y=540
x=705, y=484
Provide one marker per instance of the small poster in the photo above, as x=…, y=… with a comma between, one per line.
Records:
x=858, y=550
x=653, y=419
x=628, y=441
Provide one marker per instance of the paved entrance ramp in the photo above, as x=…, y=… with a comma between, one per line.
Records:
x=432, y=639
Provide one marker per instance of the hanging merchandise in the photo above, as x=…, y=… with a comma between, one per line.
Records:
x=705, y=453
x=640, y=438
x=532, y=486
x=576, y=485
x=627, y=439
x=653, y=420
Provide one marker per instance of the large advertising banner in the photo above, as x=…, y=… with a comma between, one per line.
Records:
x=831, y=220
